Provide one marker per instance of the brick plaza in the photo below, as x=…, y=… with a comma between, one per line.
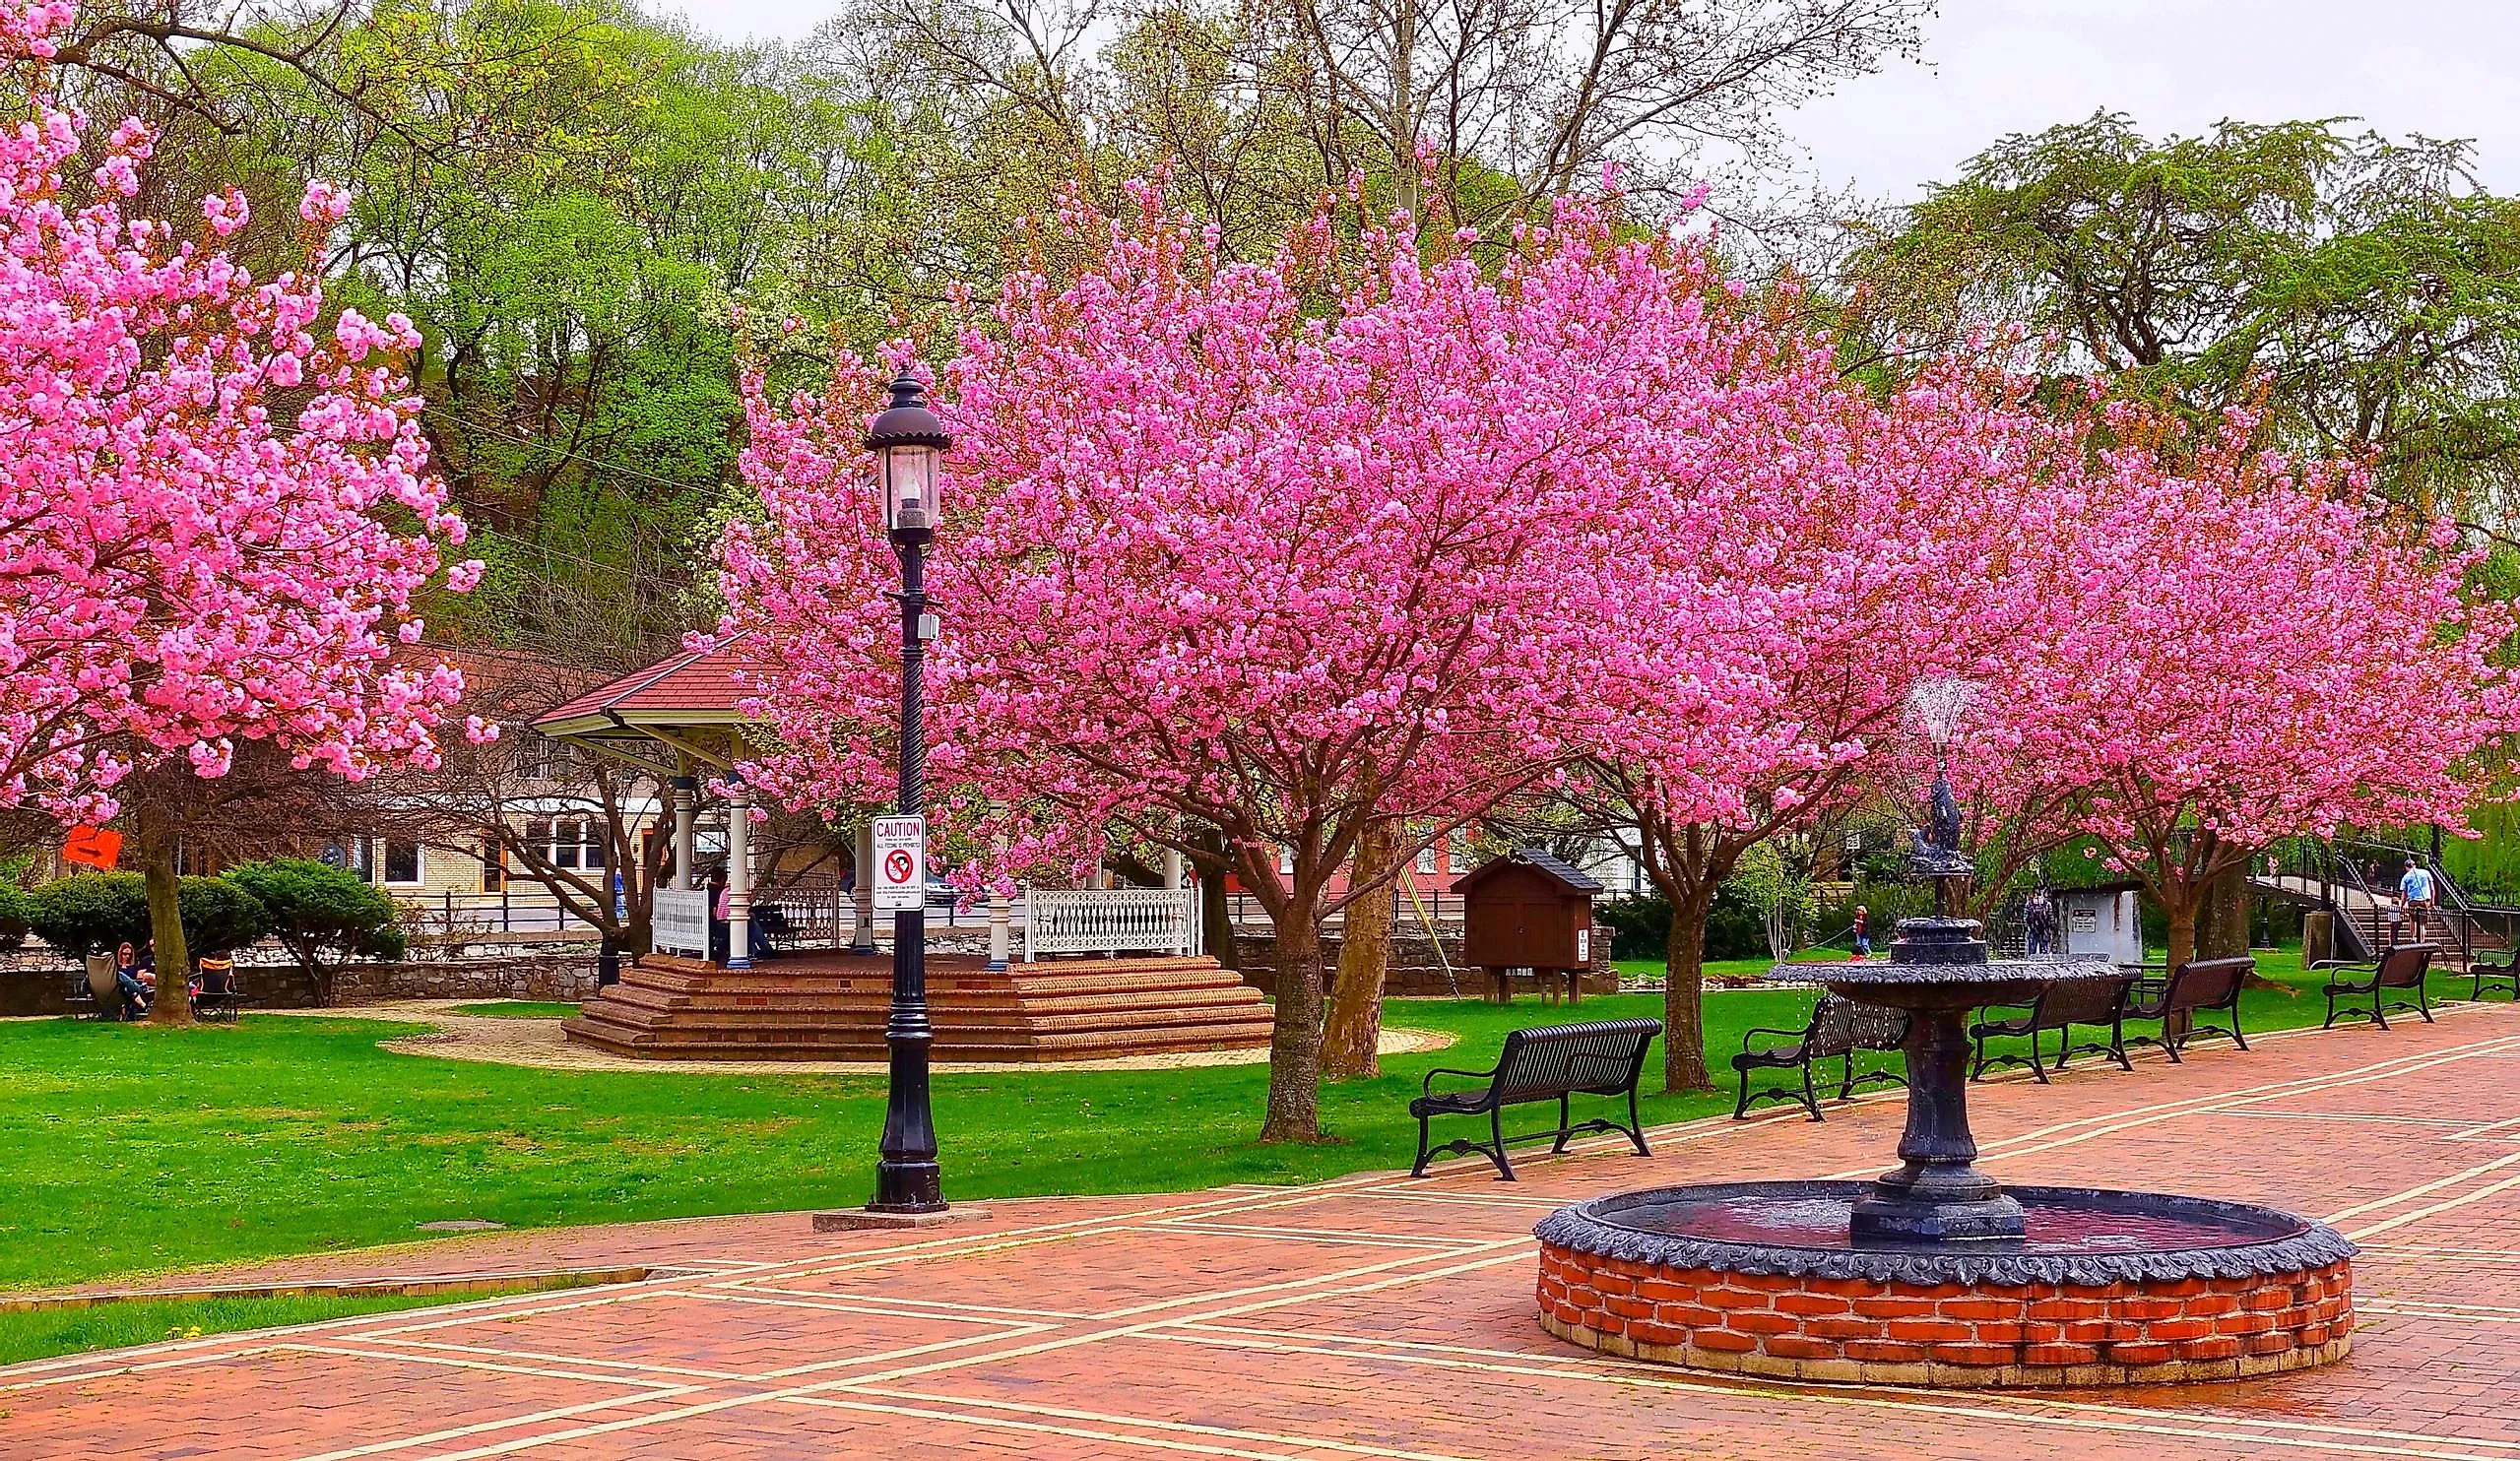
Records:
x=1379, y=1317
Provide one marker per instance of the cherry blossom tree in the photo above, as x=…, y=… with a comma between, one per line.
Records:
x=1283, y=551
x=2260, y=647
x=1887, y=541
x=213, y=520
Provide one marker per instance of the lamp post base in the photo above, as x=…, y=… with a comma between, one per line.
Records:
x=862, y=1219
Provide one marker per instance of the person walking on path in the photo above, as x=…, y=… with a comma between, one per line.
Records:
x=2039, y=921
x=1864, y=932
x=2416, y=889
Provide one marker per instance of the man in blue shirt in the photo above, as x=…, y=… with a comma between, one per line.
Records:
x=2416, y=889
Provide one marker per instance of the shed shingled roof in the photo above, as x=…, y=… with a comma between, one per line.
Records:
x=1539, y=859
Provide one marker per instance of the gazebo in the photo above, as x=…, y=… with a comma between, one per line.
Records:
x=1103, y=972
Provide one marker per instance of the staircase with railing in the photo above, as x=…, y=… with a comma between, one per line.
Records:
x=2358, y=878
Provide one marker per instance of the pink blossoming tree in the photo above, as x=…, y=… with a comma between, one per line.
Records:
x=1889, y=541
x=1220, y=559
x=2259, y=649
x=212, y=521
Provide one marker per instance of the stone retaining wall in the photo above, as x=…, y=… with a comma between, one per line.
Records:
x=33, y=989
x=1886, y=1332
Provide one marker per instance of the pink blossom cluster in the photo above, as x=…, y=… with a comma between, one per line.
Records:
x=212, y=517
x=1216, y=553
x=2248, y=648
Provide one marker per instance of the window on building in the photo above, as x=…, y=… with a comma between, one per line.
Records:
x=550, y=760
x=1286, y=861
x=574, y=842
x=1426, y=858
x=1460, y=852
x=355, y=856
x=398, y=862
x=493, y=865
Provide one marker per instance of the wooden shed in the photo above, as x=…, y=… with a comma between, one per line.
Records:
x=1528, y=911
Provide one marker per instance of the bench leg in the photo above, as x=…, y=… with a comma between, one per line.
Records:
x=1636, y=1126
x=2330, y=1022
x=1741, y=1103
x=1496, y=1151
x=1418, y=1168
x=2379, y=1004
x=2238, y=1038
x=2118, y=1044
x=1846, y=1076
x=2423, y=998
x=2037, y=1072
x=1809, y=1097
x=1564, y=1135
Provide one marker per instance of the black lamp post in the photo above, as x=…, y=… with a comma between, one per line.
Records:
x=907, y=440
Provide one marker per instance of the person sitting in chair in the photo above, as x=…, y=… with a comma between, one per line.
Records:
x=135, y=995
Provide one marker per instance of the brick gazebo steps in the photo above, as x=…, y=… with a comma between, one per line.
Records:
x=832, y=1007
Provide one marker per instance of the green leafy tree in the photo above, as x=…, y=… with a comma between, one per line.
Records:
x=324, y=916
x=90, y=913
x=17, y=915
x=2369, y=289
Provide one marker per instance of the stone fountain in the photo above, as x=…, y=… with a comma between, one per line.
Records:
x=1935, y=1273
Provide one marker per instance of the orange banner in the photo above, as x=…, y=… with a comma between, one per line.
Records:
x=96, y=846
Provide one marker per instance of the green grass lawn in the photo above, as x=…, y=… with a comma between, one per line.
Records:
x=42, y=1333
x=517, y=1009
x=125, y=1149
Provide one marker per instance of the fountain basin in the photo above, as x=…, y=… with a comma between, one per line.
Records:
x=2104, y=1288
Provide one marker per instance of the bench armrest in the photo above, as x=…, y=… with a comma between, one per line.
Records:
x=1793, y=1037
x=2319, y=964
x=1427, y=1088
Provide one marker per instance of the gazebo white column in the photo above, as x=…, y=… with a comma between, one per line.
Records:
x=1000, y=909
x=739, y=878
x=1001, y=926
x=862, y=931
x=687, y=805
x=1172, y=868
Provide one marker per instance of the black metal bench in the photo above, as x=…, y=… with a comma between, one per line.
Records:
x=2198, y=986
x=1839, y=1030
x=2061, y=1006
x=2506, y=972
x=1555, y=1062
x=2398, y=970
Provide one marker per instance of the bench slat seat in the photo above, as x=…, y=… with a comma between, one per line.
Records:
x=2402, y=970
x=2061, y=1006
x=1554, y=1062
x=2198, y=986
x=1839, y=1030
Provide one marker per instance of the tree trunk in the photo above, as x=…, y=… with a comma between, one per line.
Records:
x=2223, y=922
x=1354, y=1026
x=1684, y=987
x=173, y=1004
x=2179, y=901
x=1295, y=1044
x=1215, y=913
x=1401, y=120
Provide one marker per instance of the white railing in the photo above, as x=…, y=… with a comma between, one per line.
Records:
x=1109, y=921
x=679, y=922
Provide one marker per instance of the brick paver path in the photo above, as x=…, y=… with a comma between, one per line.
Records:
x=1379, y=1317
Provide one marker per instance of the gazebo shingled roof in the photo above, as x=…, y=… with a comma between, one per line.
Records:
x=690, y=702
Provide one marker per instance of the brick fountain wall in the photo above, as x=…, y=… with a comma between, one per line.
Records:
x=1878, y=1332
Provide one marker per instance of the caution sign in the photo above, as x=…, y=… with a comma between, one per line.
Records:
x=901, y=864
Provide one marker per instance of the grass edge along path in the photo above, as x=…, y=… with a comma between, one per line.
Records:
x=50, y=1331
x=127, y=1151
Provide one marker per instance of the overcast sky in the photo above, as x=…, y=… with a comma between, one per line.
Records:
x=2447, y=67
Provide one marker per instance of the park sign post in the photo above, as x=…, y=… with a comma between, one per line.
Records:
x=901, y=864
